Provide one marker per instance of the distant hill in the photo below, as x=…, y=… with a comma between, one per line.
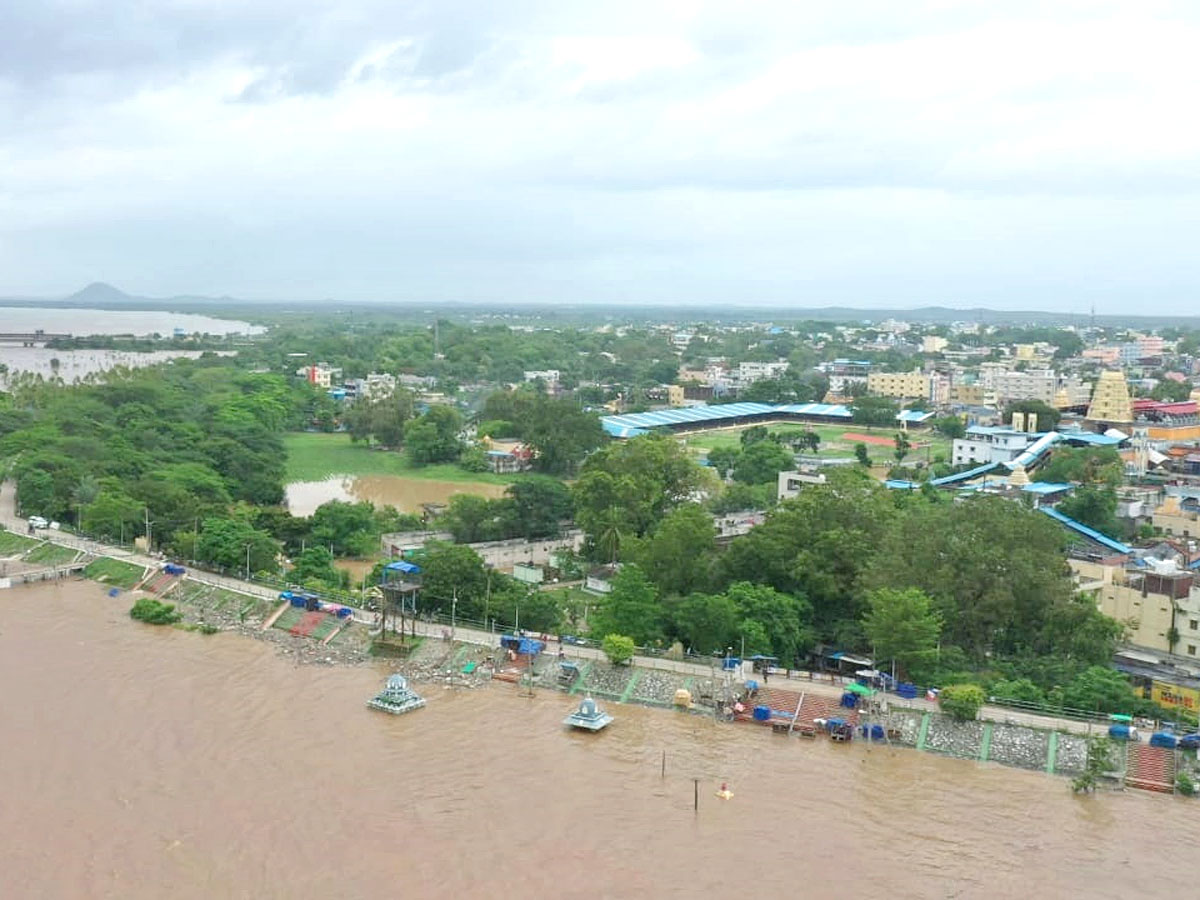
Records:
x=98, y=294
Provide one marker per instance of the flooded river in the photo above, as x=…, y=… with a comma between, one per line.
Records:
x=150, y=763
x=406, y=494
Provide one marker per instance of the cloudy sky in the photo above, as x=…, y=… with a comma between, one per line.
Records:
x=1019, y=155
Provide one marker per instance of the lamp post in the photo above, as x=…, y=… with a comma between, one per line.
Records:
x=453, y=612
x=247, y=562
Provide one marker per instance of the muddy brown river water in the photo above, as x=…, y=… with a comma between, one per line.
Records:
x=149, y=763
x=406, y=494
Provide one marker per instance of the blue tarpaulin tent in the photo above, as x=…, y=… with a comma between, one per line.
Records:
x=403, y=566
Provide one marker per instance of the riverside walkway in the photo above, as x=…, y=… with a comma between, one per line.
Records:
x=799, y=682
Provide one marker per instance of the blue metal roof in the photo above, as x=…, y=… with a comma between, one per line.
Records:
x=1090, y=437
x=1034, y=451
x=897, y=484
x=1087, y=532
x=632, y=424
x=401, y=565
x=620, y=431
x=913, y=416
x=1047, y=487
x=964, y=476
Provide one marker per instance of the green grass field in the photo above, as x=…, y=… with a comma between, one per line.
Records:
x=51, y=555
x=832, y=443
x=114, y=572
x=12, y=543
x=313, y=457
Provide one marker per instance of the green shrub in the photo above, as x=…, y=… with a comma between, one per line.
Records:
x=618, y=648
x=962, y=701
x=1020, y=689
x=155, y=613
x=1185, y=785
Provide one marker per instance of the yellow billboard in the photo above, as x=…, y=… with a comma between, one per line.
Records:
x=1172, y=695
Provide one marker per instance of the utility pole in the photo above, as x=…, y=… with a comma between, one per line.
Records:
x=149, y=543
x=247, y=562
x=453, y=612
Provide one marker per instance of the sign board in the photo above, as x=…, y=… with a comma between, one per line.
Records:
x=1174, y=696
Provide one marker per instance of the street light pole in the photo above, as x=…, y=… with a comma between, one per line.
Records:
x=453, y=612
x=247, y=562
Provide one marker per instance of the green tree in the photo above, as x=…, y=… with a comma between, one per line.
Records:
x=631, y=608
x=632, y=484
x=113, y=514
x=230, y=543
x=1100, y=689
x=871, y=410
x=753, y=435
x=1086, y=465
x=761, y=462
x=706, y=622
x=449, y=571
x=723, y=459
x=538, y=506
x=1094, y=507
x=618, y=648
x=433, y=437
x=1169, y=391
x=962, y=701
x=860, y=453
x=471, y=518
x=350, y=529
x=677, y=556
x=950, y=426
x=819, y=545
x=994, y=569
x=1021, y=690
x=772, y=622
x=315, y=564
x=1047, y=416
x=902, y=625
x=903, y=445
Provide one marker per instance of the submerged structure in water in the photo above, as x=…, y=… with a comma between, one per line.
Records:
x=396, y=697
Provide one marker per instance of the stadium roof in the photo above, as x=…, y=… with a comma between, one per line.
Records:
x=633, y=424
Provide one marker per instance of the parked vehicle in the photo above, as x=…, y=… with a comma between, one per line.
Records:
x=39, y=522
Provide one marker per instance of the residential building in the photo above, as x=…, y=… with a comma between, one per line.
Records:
x=989, y=444
x=1011, y=387
x=933, y=343
x=1156, y=601
x=903, y=385
x=320, y=375
x=750, y=372
x=973, y=394
x=939, y=389
x=1150, y=345
x=792, y=483
x=1107, y=356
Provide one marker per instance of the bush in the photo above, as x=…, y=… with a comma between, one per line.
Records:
x=155, y=613
x=962, y=701
x=618, y=648
x=473, y=459
x=1185, y=785
x=1021, y=689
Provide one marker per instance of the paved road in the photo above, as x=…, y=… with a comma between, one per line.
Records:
x=10, y=519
